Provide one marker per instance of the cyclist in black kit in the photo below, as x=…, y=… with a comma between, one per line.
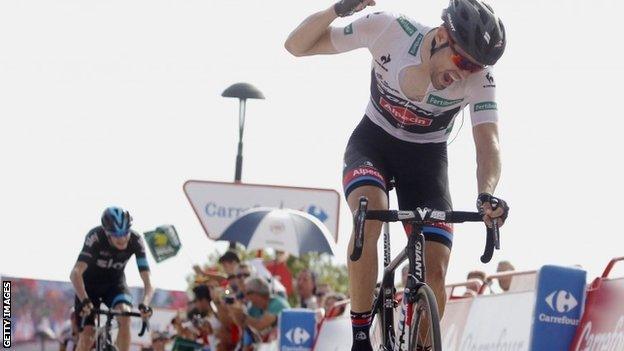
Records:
x=99, y=275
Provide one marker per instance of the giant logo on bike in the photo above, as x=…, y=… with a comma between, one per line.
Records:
x=403, y=115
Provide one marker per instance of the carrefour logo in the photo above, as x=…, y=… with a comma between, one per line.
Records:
x=298, y=336
x=318, y=212
x=561, y=301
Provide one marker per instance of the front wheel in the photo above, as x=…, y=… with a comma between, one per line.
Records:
x=424, y=327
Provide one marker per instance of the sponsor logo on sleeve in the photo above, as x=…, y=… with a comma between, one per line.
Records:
x=407, y=26
x=487, y=105
x=416, y=44
x=348, y=29
x=442, y=102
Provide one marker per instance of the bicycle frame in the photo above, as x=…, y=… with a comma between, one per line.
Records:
x=385, y=302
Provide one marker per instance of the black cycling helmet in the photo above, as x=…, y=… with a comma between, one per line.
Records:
x=116, y=221
x=475, y=27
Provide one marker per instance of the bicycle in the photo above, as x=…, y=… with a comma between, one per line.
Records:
x=418, y=303
x=103, y=338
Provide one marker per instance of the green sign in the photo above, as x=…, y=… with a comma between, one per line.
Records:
x=348, y=29
x=163, y=242
x=442, y=102
x=487, y=105
x=416, y=44
x=409, y=28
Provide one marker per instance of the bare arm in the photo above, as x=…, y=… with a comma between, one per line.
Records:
x=149, y=290
x=263, y=322
x=311, y=37
x=488, y=156
x=77, y=281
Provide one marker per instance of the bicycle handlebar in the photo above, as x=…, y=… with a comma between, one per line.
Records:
x=421, y=216
x=112, y=313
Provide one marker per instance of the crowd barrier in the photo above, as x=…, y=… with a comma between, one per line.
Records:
x=602, y=325
x=550, y=309
x=540, y=311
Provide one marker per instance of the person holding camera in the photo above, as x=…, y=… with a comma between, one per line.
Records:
x=263, y=308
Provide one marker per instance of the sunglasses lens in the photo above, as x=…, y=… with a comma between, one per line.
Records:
x=463, y=64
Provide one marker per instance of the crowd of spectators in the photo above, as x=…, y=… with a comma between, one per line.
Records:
x=238, y=304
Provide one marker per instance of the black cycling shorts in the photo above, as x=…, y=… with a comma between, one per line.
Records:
x=111, y=295
x=374, y=157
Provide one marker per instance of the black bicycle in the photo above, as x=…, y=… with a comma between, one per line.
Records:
x=103, y=338
x=419, y=307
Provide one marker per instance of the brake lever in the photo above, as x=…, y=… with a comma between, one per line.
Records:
x=144, y=327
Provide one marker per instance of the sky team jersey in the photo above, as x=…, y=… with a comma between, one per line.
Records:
x=395, y=42
x=106, y=263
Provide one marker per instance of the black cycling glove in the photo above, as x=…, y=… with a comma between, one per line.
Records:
x=494, y=202
x=145, y=309
x=346, y=8
x=86, y=306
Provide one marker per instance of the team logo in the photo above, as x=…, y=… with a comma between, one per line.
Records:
x=403, y=115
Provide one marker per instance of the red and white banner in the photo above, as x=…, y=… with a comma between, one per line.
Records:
x=602, y=324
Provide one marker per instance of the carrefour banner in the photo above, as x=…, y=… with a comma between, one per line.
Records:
x=218, y=204
x=558, y=307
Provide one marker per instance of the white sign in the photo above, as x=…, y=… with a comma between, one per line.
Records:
x=499, y=322
x=217, y=204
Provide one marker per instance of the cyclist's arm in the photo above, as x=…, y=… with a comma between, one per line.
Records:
x=312, y=36
x=484, y=115
x=144, y=271
x=85, y=258
x=148, y=288
x=315, y=35
x=77, y=281
x=488, y=156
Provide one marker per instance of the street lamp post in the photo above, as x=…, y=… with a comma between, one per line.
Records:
x=241, y=91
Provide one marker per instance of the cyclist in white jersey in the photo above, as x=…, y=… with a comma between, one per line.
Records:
x=421, y=79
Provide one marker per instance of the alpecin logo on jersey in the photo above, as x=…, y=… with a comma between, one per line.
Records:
x=403, y=115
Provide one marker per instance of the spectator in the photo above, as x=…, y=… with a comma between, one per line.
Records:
x=280, y=271
x=229, y=261
x=504, y=282
x=159, y=341
x=330, y=300
x=306, y=289
x=472, y=289
x=237, y=281
x=204, y=319
x=322, y=290
x=264, y=310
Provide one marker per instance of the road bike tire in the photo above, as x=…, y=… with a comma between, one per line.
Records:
x=425, y=309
